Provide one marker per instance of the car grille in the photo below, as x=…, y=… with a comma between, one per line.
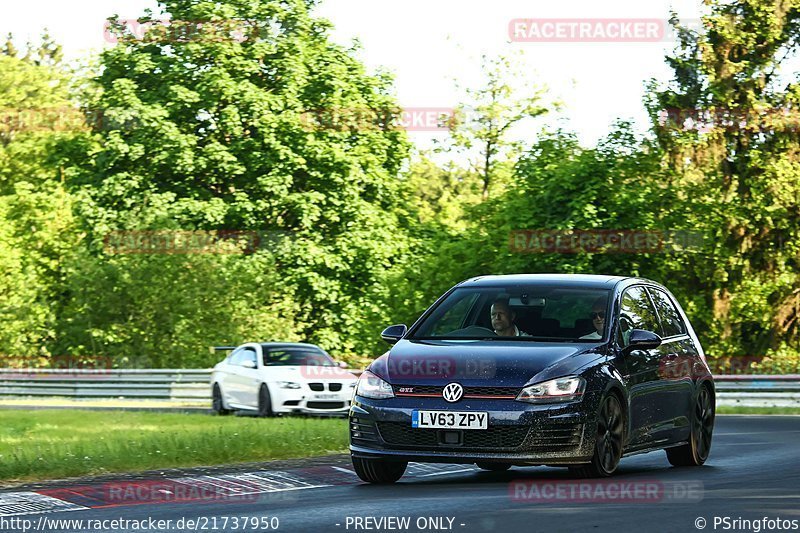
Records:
x=324, y=405
x=319, y=387
x=497, y=437
x=552, y=438
x=483, y=392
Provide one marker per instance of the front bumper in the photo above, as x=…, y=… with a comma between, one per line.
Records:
x=518, y=432
x=313, y=402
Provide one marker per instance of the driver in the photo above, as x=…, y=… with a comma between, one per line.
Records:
x=598, y=316
x=503, y=320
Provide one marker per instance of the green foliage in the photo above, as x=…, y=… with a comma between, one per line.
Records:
x=738, y=177
x=205, y=132
x=483, y=127
x=37, y=230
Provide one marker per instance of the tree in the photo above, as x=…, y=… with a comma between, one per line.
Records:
x=485, y=123
x=8, y=48
x=206, y=130
x=38, y=232
x=737, y=168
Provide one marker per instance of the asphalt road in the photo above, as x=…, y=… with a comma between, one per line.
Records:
x=753, y=472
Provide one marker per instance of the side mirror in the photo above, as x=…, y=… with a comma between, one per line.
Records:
x=641, y=339
x=342, y=364
x=249, y=363
x=392, y=334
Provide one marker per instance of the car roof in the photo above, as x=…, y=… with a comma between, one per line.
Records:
x=593, y=281
x=270, y=345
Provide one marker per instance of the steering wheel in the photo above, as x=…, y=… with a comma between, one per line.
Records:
x=472, y=331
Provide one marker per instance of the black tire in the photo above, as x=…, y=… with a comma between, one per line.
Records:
x=494, y=467
x=217, y=404
x=264, y=402
x=695, y=452
x=379, y=471
x=608, y=443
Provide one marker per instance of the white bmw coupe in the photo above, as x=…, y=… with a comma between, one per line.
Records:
x=273, y=378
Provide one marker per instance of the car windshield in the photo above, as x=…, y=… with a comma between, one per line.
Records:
x=296, y=357
x=524, y=313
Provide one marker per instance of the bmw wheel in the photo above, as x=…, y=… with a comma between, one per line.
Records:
x=264, y=402
x=217, y=404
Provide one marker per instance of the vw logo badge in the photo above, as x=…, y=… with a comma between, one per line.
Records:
x=453, y=392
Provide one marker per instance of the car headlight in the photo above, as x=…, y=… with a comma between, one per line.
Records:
x=371, y=386
x=556, y=390
x=288, y=385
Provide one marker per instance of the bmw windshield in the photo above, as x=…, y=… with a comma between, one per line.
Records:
x=522, y=313
x=296, y=357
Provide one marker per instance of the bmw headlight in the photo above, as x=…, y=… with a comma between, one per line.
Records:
x=288, y=385
x=556, y=390
x=371, y=386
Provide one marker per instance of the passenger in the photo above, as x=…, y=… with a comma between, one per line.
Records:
x=503, y=320
x=598, y=316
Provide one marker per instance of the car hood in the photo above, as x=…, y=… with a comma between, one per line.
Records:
x=307, y=373
x=482, y=363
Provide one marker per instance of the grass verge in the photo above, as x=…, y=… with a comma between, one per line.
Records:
x=739, y=410
x=38, y=445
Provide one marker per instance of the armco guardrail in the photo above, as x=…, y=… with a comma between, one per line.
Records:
x=183, y=385
x=163, y=384
x=754, y=390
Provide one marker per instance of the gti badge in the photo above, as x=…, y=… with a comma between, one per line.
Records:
x=452, y=392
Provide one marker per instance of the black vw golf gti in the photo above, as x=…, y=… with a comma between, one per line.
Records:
x=557, y=370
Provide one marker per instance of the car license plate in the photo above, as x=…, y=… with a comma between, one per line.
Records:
x=449, y=420
x=326, y=396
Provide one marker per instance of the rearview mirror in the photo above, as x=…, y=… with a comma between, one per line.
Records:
x=641, y=339
x=392, y=334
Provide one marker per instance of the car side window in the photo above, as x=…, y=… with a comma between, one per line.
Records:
x=239, y=356
x=250, y=355
x=670, y=318
x=636, y=312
